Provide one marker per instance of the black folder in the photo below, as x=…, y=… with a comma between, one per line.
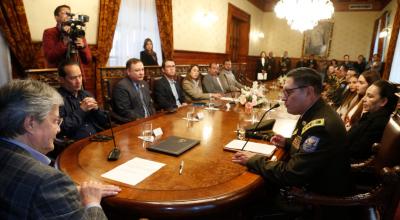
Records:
x=174, y=145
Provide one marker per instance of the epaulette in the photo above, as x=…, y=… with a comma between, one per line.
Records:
x=313, y=123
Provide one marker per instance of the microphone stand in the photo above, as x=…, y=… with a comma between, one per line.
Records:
x=262, y=117
x=115, y=152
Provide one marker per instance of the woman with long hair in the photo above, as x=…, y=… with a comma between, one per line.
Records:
x=355, y=110
x=192, y=86
x=148, y=56
x=378, y=104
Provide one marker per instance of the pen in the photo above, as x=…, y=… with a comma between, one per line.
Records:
x=181, y=167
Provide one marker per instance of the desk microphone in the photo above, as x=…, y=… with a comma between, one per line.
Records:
x=229, y=87
x=262, y=117
x=115, y=152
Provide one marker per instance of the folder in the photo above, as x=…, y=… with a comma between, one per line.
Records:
x=174, y=145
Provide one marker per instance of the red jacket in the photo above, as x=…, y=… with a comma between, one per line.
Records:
x=55, y=49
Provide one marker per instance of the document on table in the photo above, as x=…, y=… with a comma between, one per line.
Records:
x=133, y=171
x=265, y=149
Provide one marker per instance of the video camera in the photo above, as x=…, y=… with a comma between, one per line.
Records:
x=77, y=26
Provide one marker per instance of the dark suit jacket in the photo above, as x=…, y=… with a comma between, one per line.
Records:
x=32, y=190
x=126, y=99
x=260, y=67
x=147, y=59
x=365, y=132
x=163, y=95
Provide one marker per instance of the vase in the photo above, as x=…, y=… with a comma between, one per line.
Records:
x=248, y=108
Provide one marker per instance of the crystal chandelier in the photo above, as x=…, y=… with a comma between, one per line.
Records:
x=304, y=15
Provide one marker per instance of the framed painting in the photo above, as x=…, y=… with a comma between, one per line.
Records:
x=318, y=40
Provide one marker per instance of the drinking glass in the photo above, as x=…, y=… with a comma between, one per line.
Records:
x=147, y=131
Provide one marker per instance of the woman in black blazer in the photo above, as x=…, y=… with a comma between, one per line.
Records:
x=379, y=102
x=148, y=56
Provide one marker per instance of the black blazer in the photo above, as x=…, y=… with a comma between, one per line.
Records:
x=148, y=59
x=365, y=132
x=126, y=99
x=163, y=95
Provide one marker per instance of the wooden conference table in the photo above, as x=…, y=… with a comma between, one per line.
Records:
x=209, y=183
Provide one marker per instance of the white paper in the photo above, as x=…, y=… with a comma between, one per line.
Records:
x=158, y=132
x=200, y=115
x=211, y=108
x=148, y=139
x=284, y=127
x=228, y=99
x=133, y=171
x=265, y=149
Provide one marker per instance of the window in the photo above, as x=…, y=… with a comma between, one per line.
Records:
x=137, y=20
x=394, y=71
x=5, y=61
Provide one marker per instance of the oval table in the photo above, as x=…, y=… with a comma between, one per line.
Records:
x=210, y=184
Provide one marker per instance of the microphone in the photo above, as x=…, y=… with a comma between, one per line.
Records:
x=262, y=117
x=229, y=87
x=115, y=152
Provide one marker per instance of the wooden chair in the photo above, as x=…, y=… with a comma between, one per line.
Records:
x=382, y=198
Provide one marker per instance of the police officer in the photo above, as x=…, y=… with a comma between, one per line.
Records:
x=318, y=161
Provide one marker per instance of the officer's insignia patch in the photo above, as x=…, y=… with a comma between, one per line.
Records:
x=296, y=142
x=310, y=144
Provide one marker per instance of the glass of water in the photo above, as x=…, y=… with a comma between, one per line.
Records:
x=147, y=131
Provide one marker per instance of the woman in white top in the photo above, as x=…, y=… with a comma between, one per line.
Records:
x=350, y=97
x=192, y=86
x=355, y=111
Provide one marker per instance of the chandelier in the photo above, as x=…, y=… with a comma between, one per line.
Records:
x=304, y=15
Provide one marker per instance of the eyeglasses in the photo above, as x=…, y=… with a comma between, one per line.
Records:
x=59, y=121
x=288, y=92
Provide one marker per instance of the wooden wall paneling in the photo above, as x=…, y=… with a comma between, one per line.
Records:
x=197, y=57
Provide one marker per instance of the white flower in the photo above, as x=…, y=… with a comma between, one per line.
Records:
x=242, y=99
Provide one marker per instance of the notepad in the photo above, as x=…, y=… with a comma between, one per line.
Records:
x=265, y=149
x=134, y=171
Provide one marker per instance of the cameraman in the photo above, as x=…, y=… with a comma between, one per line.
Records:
x=56, y=41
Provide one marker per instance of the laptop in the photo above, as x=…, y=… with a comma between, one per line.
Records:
x=174, y=145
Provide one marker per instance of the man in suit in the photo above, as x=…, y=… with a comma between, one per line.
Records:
x=226, y=74
x=56, y=42
x=213, y=82
x=131, y=95
x=81, y=113
x=168, y=93
x=30, y=188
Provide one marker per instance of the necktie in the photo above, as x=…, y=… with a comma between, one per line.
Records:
x=146, y=112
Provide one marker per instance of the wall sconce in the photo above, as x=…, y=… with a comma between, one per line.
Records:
x=260, y=35
x=384, y=33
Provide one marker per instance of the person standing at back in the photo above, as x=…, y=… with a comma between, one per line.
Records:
x=148, y=56
x=30, y=188
x=57, y=43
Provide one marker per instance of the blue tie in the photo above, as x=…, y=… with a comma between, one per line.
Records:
x=146, y=112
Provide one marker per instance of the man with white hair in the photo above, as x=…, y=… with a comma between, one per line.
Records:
x=30, y=188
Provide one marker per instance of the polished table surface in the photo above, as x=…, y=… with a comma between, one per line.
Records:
x=209, y=182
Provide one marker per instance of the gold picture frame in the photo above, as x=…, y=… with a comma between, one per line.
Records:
x=317, y=41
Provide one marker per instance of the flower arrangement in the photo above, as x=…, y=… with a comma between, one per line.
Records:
x=253, y=96
x=282, y=80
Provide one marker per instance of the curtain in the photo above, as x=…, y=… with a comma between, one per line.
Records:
x=164, y=17
x=137, y=20
x=14, y=26
x=109, y=10
x=5, y=61
x=392, y=65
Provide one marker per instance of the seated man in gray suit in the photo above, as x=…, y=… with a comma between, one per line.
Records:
x=30, y=188
x=227, y=75
x=131, y=96
x=214, y=83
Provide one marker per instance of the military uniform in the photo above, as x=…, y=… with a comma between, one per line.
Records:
x=318, y=160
